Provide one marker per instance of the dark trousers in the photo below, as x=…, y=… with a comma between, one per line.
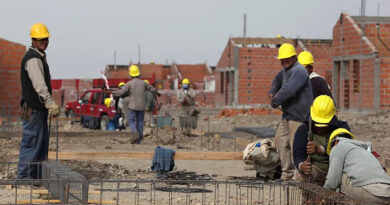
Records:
x=34, y=145
x=136, y=122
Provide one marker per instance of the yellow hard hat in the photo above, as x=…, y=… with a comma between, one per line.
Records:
x=146, y=81
x=279, y=36
x=323, y=109
x=39, y=31
x=185, y=81
x=134, y=71
x=121, y=84
x=107, y=102
x=336, y=133
x=305, y=58
x=286, y=51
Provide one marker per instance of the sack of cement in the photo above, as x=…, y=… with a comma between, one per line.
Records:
x=263, y=155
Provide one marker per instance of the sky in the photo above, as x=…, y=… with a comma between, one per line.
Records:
x=86, y=33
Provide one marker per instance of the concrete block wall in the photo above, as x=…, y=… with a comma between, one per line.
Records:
x=11, y=55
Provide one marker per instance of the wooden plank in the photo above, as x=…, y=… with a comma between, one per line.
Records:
x=54, y=201
x=197, y=132
x=145, y=155
x=242, y=142
x=44, y=191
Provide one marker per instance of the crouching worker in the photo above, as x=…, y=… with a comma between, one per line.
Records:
x=312, y=138
x=355, y=170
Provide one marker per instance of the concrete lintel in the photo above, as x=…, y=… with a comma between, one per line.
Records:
x=354, y=57
x=226, y=69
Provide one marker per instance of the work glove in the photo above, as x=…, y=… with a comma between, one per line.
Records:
x=147, y=109
x=54, y=109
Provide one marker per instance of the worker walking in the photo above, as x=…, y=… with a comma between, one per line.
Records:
x=135, y=89
x=292, y=91
x=355, y=170
x=125, y=106
x=37, y=103
x=149, y=106
x=323, y=123
x=318, y=83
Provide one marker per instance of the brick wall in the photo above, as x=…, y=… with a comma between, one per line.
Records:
x=258, y=66
x=68, y=91
x=11, y=55
x=221, y=78
x=357, y=86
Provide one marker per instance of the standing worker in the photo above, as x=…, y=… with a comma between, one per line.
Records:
x=355, y=170
x=37, y=103
x=149, y=106
x=290, y=89
x=186, y=97
x=318, y=83
x=135, y=89
x=125, y=107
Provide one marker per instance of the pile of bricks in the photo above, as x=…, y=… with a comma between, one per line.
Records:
x=251, y=111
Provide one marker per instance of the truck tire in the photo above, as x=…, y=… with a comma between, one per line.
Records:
x=72, y=117
x=103, y=122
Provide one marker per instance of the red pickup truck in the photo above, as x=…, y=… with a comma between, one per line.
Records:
x=90, y=108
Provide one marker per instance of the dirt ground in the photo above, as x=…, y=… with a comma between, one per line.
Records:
x=372, y=127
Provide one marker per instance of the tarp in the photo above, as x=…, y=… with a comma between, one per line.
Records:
x=263, y=132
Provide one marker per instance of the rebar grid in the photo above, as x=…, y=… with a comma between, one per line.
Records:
x=72, y=187
x=186, y=192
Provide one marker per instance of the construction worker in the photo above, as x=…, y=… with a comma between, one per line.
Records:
x=318, y=83
x=355, y=170
x=291, y=90
x=186, y=97
x=125, y=106
x=135, y=89
x=149, y=106
x=37, y=104
x=323, y=123
x=119, y=115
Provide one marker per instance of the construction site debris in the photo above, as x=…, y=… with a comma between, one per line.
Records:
x=251, y=111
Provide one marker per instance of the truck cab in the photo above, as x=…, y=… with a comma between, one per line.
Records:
x=90, y=109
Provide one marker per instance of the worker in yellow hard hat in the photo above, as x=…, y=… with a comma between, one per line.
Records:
x=37, y=103
x=186, y=97
x=318, y=83
x=355, y=170
x=321, y=125
x=135, y=89
x=290, y=90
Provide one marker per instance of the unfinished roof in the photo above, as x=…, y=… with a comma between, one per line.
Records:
x=371, y=19
x=276, y=41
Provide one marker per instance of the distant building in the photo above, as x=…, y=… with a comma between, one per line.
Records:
x=361, y=62
x=247, y=67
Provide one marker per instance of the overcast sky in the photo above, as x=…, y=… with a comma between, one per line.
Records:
x=85, y=33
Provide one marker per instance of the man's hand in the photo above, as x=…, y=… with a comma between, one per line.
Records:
x=54, y=109
x=305, y=167
x=312, y=148
x=270, y=96
x=147, y=109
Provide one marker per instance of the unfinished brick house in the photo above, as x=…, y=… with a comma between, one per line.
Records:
x=11, y=55
x=361, y=62
x=247, y=67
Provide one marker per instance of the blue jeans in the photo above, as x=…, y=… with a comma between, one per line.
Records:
x=136, y=122
x=34, y=145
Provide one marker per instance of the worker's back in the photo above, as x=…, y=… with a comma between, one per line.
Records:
x=137, y=94
x=359, y=164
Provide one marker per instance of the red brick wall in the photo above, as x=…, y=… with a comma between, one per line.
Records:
x=69, y=90
x=221, y=84
x=11, y=55
x=385, y=83
x=347, y=41
x=257, y=68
